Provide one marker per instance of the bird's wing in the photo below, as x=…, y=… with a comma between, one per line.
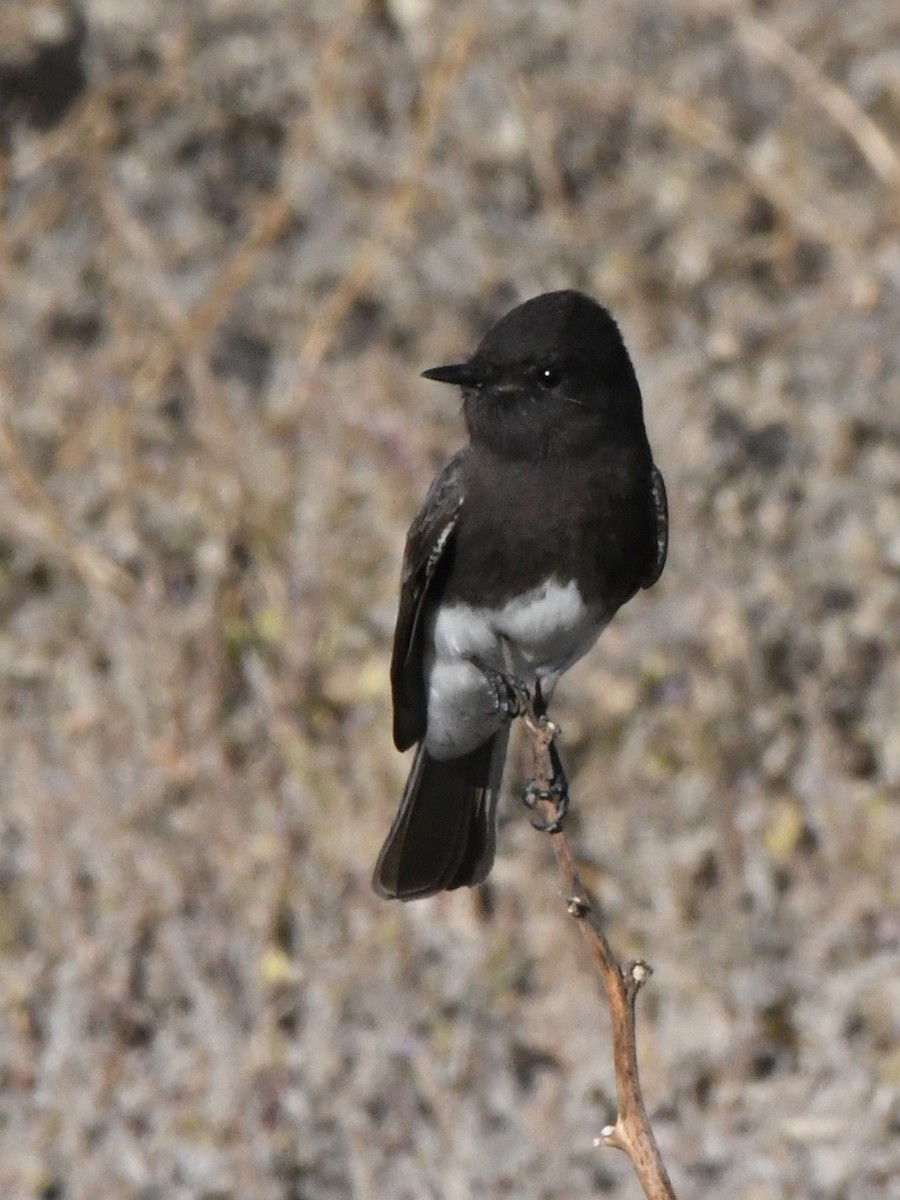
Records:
x=427, y=545
x=661, y=517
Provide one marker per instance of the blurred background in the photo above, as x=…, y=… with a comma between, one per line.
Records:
x=232, y=235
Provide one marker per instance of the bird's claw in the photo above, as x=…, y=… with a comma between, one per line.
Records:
x=512, y=696
x=534, y=792
x=557, y=793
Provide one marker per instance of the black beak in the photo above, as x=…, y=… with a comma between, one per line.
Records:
x=462, y=374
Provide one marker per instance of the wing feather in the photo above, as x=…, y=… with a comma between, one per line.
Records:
x=428, y=545
x=661, y=514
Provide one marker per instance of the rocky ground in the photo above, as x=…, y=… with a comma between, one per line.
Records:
x=232, y=235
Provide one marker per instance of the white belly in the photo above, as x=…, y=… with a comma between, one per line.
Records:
x=534, y=637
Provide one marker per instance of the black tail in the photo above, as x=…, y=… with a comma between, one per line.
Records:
x=445, y=832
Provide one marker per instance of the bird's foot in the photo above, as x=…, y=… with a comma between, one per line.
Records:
x=512, y=696
x=539, y=791
x=557, y=793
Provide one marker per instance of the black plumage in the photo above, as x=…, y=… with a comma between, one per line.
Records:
x=529, y=540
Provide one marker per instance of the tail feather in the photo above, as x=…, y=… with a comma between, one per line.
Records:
x=445, y=833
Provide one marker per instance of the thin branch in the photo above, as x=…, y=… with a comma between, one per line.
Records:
x=272, y=214
x=41, y=515
x=806, y=219
x=139, y=245
x=456, y=54
x=631, y=1130
x=837, y=103
x=189, y=332
x=45, y=521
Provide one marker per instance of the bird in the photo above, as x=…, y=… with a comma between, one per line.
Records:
x=534, y=534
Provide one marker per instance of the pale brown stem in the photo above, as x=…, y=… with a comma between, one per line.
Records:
x=631, y=1131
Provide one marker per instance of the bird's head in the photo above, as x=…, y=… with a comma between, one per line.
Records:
x=551, y=378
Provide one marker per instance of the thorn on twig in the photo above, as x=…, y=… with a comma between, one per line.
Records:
x=635, y=976
x=606, y=1135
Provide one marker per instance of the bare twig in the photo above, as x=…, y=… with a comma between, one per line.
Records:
x=40, y=513
x=188, y=332
x=456, y=54
x=804, y=217
x=42, y=519
x=270, y=217
x=138, y=244
x=631, y=1131
x=837, y=103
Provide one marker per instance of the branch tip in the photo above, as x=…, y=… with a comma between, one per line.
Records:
x=636, y=975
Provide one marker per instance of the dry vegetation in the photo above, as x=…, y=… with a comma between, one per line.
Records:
x=232, y=233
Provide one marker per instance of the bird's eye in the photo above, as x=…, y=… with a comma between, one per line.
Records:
x=549, y=378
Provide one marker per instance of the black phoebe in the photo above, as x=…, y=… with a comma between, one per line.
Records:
x=528, y=542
